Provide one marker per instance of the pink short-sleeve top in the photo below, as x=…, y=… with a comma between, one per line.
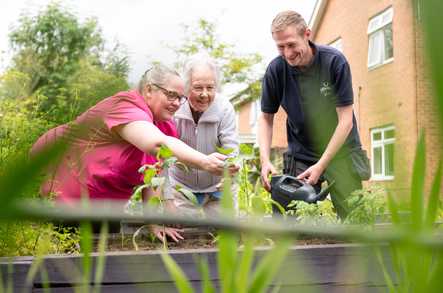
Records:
x=99, y=164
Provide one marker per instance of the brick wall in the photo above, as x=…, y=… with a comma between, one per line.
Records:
x=386, y=94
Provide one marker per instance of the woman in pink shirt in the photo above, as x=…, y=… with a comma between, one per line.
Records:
x=124, y=132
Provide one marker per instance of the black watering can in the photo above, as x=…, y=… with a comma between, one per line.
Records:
x=286, y=188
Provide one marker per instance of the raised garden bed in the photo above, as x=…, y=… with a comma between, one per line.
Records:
x=325, y=268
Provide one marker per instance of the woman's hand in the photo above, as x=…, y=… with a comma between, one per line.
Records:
x=162, y=231
x=214, y=163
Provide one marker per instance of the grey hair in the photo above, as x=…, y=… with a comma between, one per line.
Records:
x=198, y=60
x=157, y=74
x=288, y=18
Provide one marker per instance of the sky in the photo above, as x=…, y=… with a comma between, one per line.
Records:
x=144, y=27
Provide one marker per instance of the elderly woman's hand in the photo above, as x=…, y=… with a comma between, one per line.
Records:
x=214, y=163
x=162, y=231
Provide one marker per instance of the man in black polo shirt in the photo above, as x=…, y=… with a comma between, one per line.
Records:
x=313, y=85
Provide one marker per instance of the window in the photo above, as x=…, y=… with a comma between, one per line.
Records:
x=382, y=149
x=337, y=44
x=380, y=39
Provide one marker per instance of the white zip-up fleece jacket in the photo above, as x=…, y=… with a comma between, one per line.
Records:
x=216, y=127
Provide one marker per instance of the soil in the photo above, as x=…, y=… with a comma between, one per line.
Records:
x=195, y=238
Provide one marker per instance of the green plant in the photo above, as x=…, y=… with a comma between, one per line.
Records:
x=234, y=268
x=416, y=268
x=367, y=205
x=321, y=212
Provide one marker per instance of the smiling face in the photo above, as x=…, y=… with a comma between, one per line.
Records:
x=294, y=47
x=158, y=102
x=202, y=88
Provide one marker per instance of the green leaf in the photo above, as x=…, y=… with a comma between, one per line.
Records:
x=434, y=198
x=417, y=184
x=227, y=257
x=245, y=265
x=258, y=204
x=101, y=259
x=164, y=153
x=86, y=249
x=226, y=202
x=246, y=149
x=149, y=174
x=154, y=201
x=203, y=267
x=181, y=281
x=189, y=195
x=393, y=209
x=268, y=266
x=224, y=151
x=137, y=195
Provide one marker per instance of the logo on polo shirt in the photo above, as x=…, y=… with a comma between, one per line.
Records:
x=325, y=89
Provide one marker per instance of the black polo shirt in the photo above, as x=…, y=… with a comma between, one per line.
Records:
x=310, y=99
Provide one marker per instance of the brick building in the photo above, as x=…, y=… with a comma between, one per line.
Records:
x=392, y=101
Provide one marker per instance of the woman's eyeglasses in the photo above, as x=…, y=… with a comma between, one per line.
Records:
x=172, y=96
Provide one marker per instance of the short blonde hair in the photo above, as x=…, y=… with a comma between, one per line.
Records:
x=288, y=18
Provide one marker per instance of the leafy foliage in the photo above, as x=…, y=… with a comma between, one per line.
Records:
x=367, y=205
x=62, y=64
x=20, y=238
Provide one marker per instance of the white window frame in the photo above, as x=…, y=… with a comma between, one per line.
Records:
x=375, y=28
x=337, y=44
x=381, y=143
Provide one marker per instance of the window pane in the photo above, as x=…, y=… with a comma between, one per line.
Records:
x=389, y=159
x=377, y=161
x=376, y=136
x=389, y=51
x=390, y=133
x=375, y=48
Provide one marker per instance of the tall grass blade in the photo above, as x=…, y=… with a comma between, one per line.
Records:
x=227, y=243
x=245, y=265
x=86, y=249
x=203, y=267
x=268, y=266
x=22, y=172
x=386, y=275
x=33, y=270
x=45, y=279
x=432, y=21
x=393, y=210
x=101, y=259
x=417, y=184
x=227, y=258
x=434, y=199
x=181, y=281
x=435, y=284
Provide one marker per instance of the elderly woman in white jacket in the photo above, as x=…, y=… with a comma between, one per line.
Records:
x=204, y=122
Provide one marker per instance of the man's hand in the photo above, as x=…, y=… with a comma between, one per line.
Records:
x=267, y=168
x=312, y=174
x=162, y=231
